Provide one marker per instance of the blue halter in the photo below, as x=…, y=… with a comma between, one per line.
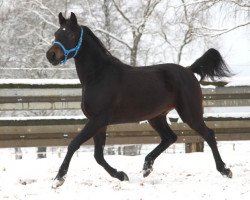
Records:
x=67, y=52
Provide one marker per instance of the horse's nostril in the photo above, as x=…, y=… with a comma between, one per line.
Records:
x=51, y=56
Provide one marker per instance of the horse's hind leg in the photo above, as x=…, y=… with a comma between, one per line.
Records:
x=99, y=140
x=168, y=137
x=209, y=136
x=196, y=122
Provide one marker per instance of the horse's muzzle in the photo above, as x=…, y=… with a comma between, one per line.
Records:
x=52, y=58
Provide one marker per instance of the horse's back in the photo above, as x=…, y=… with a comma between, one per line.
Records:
x=179, y=78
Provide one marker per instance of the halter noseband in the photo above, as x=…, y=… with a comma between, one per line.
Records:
x=67, y=52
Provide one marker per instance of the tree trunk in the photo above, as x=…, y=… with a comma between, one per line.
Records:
x=134, y=50
x=106, y=9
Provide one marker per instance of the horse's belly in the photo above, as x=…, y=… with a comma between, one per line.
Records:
x=132, y=113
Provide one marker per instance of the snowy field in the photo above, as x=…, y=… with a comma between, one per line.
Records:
x=175, y=176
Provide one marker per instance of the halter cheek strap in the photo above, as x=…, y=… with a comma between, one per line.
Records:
x=75, y=49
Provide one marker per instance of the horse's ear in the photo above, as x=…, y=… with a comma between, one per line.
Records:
x=73, y=18
x=62, y=20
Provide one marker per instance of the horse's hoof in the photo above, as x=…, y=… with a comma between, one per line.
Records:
x=146, y=172
x=121, y=176
x=227, y=173
x=58, y=182
x=147, y=168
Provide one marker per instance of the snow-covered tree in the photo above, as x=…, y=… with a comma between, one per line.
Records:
x=137, y=32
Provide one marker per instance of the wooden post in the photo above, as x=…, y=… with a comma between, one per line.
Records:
x=41, y=152
x=194, y=147
x=18, y=153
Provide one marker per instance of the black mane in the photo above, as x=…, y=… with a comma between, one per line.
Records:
x=97, y=40
x=101, y=45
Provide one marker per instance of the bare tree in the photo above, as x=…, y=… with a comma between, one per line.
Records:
x=183, y=30
x=237, y=11
x=107, y=21
x=124, y=26
x=136, y=25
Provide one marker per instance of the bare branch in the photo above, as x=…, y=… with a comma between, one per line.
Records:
x=238, y=3
x=92, y=17
x=223, y=31
x=41, y=17
x=42, y=6
x=114, y=37
x=198, y=2
x=43, y=39
x=150, y=8
x=26, y=35
x=147, y=12
x=121, y=12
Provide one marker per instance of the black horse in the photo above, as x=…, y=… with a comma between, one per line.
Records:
x=113, y=92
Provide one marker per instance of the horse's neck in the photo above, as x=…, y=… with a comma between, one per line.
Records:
x=89, y=65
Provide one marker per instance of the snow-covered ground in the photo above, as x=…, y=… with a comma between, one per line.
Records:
x=175, y=176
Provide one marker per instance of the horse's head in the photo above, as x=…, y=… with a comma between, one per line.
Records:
x=68, y=40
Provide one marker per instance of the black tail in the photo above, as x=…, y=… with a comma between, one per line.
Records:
x=211, y=65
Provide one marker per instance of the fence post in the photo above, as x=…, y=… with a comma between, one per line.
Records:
x=41, y=152
x=194, y=147
x=18, y=153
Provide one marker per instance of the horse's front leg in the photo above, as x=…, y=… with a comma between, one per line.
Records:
x=100, y=139
x=90, y=129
